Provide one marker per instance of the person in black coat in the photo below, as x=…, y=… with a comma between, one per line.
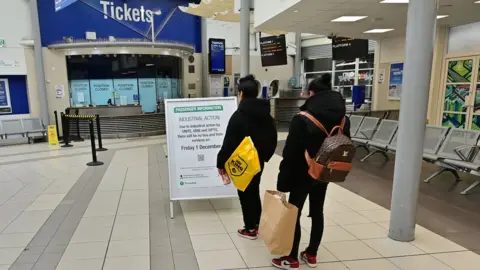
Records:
x=328, y=107
x=251, y=119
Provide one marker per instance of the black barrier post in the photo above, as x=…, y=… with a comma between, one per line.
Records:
x=99, y=134
x=66, y=131
x=56, y=125
x=78, y=138
x=94, y=162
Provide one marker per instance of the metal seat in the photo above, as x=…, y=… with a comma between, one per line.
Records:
x=365, y=132
x=459, y=152
x=355, y=122
x=13, y=131
x=382, y=138
x=34, y=128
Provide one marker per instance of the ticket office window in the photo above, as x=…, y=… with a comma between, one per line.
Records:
x=103, y=80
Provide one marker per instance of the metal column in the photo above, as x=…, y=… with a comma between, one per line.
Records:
x=245, y=38
x=205, y=76
x=413, y=112
x=42, y=87
x=298, y=58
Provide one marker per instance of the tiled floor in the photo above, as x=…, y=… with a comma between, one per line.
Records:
x=55, y=213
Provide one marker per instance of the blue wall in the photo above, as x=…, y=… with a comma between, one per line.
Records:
x=18, y=94
x=88, y=15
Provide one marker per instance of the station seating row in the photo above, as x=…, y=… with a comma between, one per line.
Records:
x=452, y=149
x=15, y=131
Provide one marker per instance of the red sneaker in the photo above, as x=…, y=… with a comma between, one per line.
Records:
x=249, y=234
x=311, y=261
x=286, y=263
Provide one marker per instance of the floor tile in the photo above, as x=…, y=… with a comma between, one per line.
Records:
x=139, y=247
x=362, y=205
x=323, y=255
x=206, y=227
x=127, y=263
x=335, y=207
x=28, y=222
x=335, y=234
x=256, y=257
x=351, y=250
x=391, y=248
x=85, y=251
x=232, y=226
x=366, y=231
x=419, y=262
x=91, y=234
x=347, y=218
x=90, y=264
x=196, y=205
x=9, y=255
x=4, y=267
x=220, y=259
x=243, y=243
x=212, y=242
x=433, y=243
x=185, y=260
x=123, y=232
x=380, y=215
x=376, y=264
x=465, y=260
x=200, y=216
x=15, y=239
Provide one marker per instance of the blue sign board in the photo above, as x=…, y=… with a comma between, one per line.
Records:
x=4, y=95
x=61, y=4
x=217, y=56
x=119, y=18
x=396, y=81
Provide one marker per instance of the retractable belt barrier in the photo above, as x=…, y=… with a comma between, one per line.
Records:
x=66, y=118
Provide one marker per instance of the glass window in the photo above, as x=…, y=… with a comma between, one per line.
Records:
x=315, y=65
x=100, y=80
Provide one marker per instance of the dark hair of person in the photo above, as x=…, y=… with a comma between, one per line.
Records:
x=248, y=86
x=323, y=83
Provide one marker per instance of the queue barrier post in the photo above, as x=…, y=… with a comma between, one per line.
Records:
x=94, y=161
x=99, y=134
x=65, y=130
x=78, y=138
x=56, y=125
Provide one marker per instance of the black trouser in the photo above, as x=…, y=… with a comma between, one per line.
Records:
x=316, y=194
x=251, y=203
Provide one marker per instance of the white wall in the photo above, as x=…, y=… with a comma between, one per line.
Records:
x=464, y=38
x=15, y=25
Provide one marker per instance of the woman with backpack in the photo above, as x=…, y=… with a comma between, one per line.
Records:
x=304, y=141
x=251, y=119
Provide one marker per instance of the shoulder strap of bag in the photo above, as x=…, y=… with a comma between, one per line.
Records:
x=339, y=128
x=315, y=121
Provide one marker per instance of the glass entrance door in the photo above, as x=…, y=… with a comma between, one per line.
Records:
x=461, y=104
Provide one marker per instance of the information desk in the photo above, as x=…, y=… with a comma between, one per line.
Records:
x=126, y=126
x=125, y=110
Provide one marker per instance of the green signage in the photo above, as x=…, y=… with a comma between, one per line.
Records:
x=210, y=108
x=2, y=42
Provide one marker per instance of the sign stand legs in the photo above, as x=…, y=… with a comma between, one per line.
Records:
x=171, y=209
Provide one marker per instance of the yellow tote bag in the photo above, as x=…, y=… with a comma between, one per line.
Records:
x=244, y=164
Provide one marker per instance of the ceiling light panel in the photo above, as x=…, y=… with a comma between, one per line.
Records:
x=394, y=2
x=442, y=16
x=349, y=18
x=378, y=31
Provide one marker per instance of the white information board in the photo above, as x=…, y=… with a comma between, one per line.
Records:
x=195, y=131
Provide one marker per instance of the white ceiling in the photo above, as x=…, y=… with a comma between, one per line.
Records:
x=314, y=16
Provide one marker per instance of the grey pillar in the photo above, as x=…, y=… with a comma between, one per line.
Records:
x=413, y=112
x=42, y=87
x=245, y=38
x=205, y=78
x=298, y=57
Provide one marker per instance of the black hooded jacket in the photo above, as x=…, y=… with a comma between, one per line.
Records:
x=253, y=119
x=326, y=106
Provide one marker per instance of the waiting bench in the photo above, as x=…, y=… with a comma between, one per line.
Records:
x=14, y=131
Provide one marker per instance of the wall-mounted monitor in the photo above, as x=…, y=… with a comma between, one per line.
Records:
x=273, y=50
x=349, y=48
x=216, y=56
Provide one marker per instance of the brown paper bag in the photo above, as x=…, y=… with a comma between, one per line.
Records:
x=277, y=224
